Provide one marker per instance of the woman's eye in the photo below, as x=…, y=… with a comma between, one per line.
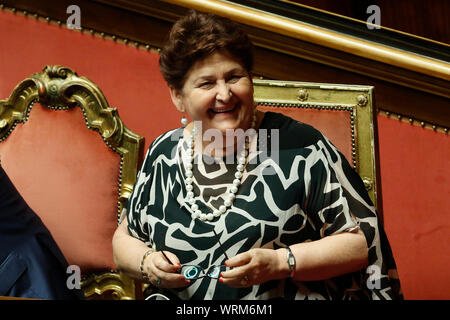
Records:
x=205, y=84
x=235, y=78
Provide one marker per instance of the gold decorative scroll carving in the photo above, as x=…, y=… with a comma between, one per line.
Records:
x=60, y=88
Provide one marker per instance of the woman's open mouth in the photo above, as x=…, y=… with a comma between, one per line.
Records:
x=226, y=109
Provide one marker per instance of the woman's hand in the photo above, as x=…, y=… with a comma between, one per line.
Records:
x=254, y=267
x=162, y=273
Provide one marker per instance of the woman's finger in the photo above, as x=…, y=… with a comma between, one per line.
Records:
x=166, y=264
x=164, y=273
x=237, y=272
x=249, y=268
x=167, y=279
x=171, y=258
x=238, y=277
x=239, y=260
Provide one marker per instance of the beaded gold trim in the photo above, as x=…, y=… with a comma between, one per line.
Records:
x=88, y=31
x=404, y=118
x=323, y=107
x=414, y=121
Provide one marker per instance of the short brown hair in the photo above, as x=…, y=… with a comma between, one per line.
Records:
x=196, y=36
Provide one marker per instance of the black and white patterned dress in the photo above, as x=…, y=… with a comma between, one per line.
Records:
x=312, y=192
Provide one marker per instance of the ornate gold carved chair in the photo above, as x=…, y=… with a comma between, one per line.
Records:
x=77, y=180
x=343, y=113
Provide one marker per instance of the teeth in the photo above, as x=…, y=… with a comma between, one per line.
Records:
x=222, y=110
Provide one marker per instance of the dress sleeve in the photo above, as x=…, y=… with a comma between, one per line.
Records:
x=325, y=202
x=136, y=208
x=337, y=201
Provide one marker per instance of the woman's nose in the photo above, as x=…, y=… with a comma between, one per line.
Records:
x=223, y=92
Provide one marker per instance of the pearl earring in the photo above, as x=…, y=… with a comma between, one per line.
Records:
x=184, y=120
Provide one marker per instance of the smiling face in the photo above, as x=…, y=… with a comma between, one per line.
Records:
x=218, y=91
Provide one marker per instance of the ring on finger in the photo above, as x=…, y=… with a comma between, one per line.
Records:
x=158, y=281
x=245, y=281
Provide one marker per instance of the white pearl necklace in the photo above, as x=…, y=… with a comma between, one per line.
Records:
x=231, y=194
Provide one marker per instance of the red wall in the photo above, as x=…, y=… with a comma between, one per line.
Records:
x=415, y=164
x=414, y=161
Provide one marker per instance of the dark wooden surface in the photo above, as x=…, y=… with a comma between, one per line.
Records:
x=424, y=18
x=397, y=90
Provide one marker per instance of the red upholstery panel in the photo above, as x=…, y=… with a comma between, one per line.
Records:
x=334, y=124
x=415, y=175
x=69, y=177
x=128, y=77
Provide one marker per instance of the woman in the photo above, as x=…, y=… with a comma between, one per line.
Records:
x=207, y=220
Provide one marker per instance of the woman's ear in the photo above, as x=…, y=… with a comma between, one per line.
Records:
x=177, y=98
